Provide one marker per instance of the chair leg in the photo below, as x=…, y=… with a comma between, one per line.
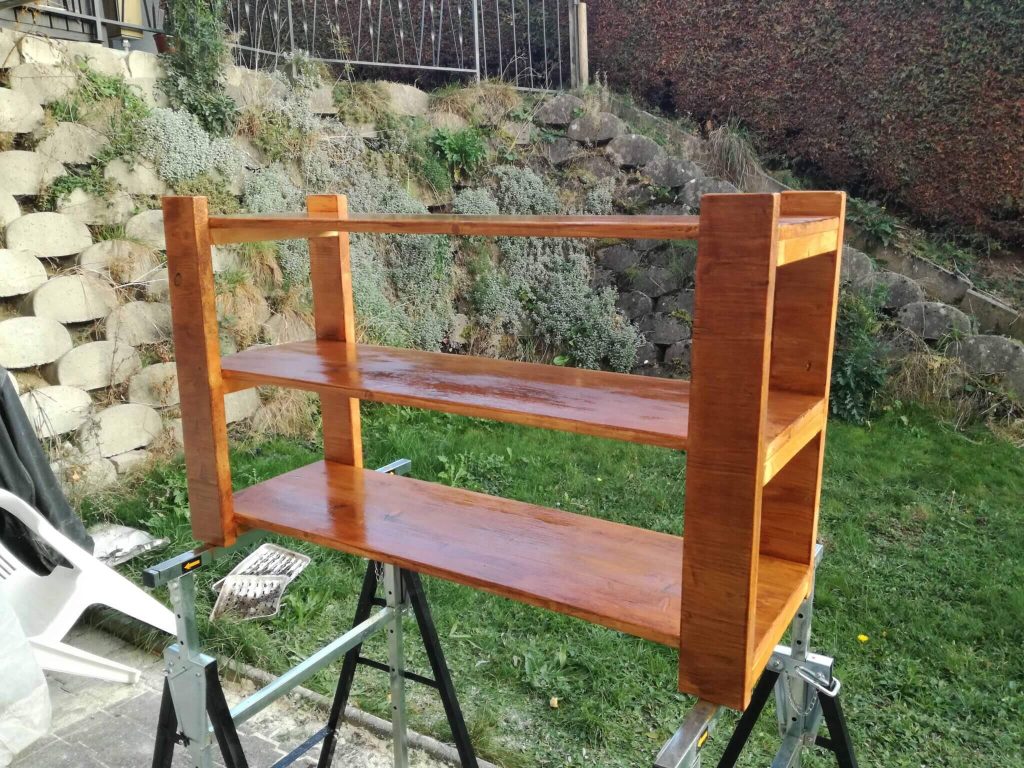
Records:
x=61, y=657
x=112, y=589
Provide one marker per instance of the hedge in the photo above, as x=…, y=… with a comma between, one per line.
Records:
x=919, y=103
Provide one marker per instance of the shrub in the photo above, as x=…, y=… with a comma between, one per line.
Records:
x=182, y=149
x=462, y=151
x=270, y=190
x=859, y=369
x=521, y=191
x=194, y=67
x=281, y=126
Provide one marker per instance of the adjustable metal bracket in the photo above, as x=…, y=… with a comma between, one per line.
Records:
x=195, y=714
x=806, y=697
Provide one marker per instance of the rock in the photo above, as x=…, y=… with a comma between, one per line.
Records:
x=633, y=150
x=665, y=329
x=682, y=261
x=50, y=235
x=561, y=151
x=94, y=365
x=618, y=258
x=139, y=322
x=87, y=208
x=941, y=284
x=559, y=110
x=21, y=272
x=594, y=167
x=320, y=101
x=26, y=342
x=671, y=172
x=56, y=410
x=897, y=290
x=240, y=405
x=119, y=429
x=634, y=304
x=405, y=99
x=155, y=385
x=447, y=121
x=72, y=143
x=691, y=192
x=144, y=73
x=42, y=84
x=460, y=330
x=224, y=257
x=656, y=281
x=41, y=50
x=992, y=315
x=123, y=261
x=635, y=197
x=73, y=299
x=18, y=113
x=680, y=303
x=994, y=356
x=27, y=173
x=130, y=461
x=932, y=320
x=137, y=179
x=106, y=61
x=521, y=133
x=250, y=87
x=284, y=328
x=647, y=355
x=677, y=356
x=9, y=209
x=157, y=286
x=148, y=228
x=857, y=270
x=598, y=128
x=10, y=56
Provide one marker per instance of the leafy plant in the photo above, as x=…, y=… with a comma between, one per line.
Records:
x=194, y=68
x=90, y=180
x=859, y=369
x=462, y=150
x=877, y=223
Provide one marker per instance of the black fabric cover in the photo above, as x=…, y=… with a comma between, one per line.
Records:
x=25, y=472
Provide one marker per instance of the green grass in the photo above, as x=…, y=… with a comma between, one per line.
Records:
x=924, y=554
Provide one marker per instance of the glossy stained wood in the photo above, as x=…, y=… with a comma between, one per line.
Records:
x=334, y=320
x=607, y=573
x=197, y=356
x=251, y=228
x=736, y=265
x=802, y=361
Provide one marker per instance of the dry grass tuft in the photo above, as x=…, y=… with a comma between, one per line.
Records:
x=242, y=310
x=259, y=260
x=487, y=103
x=728, y=154
x=287, y=413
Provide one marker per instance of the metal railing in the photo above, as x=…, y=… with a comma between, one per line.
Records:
x=88, y=20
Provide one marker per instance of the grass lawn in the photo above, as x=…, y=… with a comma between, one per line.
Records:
x=924, y=540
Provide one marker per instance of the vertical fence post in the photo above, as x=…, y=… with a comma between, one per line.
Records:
x=291, y=29
x=101, y=30
x=574, y=74
x=582, y=52
x=476, y=37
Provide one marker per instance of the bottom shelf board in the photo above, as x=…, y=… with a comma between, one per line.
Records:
x=606, y=573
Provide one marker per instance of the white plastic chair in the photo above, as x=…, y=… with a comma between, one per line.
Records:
x=49, y=606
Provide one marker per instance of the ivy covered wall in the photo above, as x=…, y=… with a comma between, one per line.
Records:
x=919, y=102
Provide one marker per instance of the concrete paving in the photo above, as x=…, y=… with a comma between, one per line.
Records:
x=110, y=725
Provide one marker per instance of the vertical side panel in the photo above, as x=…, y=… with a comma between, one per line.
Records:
x=197, y=354
x=334, y=319
x=806, y=300
x=736, y=262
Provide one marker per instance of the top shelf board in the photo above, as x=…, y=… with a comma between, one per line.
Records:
x=254, y=228
x=639, y=409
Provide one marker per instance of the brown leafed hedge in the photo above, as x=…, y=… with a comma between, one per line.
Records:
x=919, y=102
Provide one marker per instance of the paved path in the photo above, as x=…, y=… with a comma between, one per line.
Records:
x=108, y=725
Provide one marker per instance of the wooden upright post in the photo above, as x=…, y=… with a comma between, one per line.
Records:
x=197, y=353
x=736, y=266
x=334, y=318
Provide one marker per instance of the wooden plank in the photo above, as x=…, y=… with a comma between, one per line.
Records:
x=807, y=247
x=197, y=356
x=640, y=409
x=611, y=574
x=256, y=227
x=736, y=263
x=806, y=300
x=788, y=431
x=334, y=320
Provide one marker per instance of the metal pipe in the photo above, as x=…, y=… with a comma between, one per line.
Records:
x=264, y=697
x=476, y=37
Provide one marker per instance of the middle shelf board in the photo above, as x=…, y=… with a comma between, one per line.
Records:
x=640, y=409
x=607, y=573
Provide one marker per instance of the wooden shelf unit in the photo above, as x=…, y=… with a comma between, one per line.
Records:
x=752, y=420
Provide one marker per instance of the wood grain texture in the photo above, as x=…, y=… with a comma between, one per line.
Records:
x=252, y=228
x=806, y=300
x=807, y=247
x=197, y=357
x=634, y=408
x=611, y=574
x=736, y=263
x=330, y=271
